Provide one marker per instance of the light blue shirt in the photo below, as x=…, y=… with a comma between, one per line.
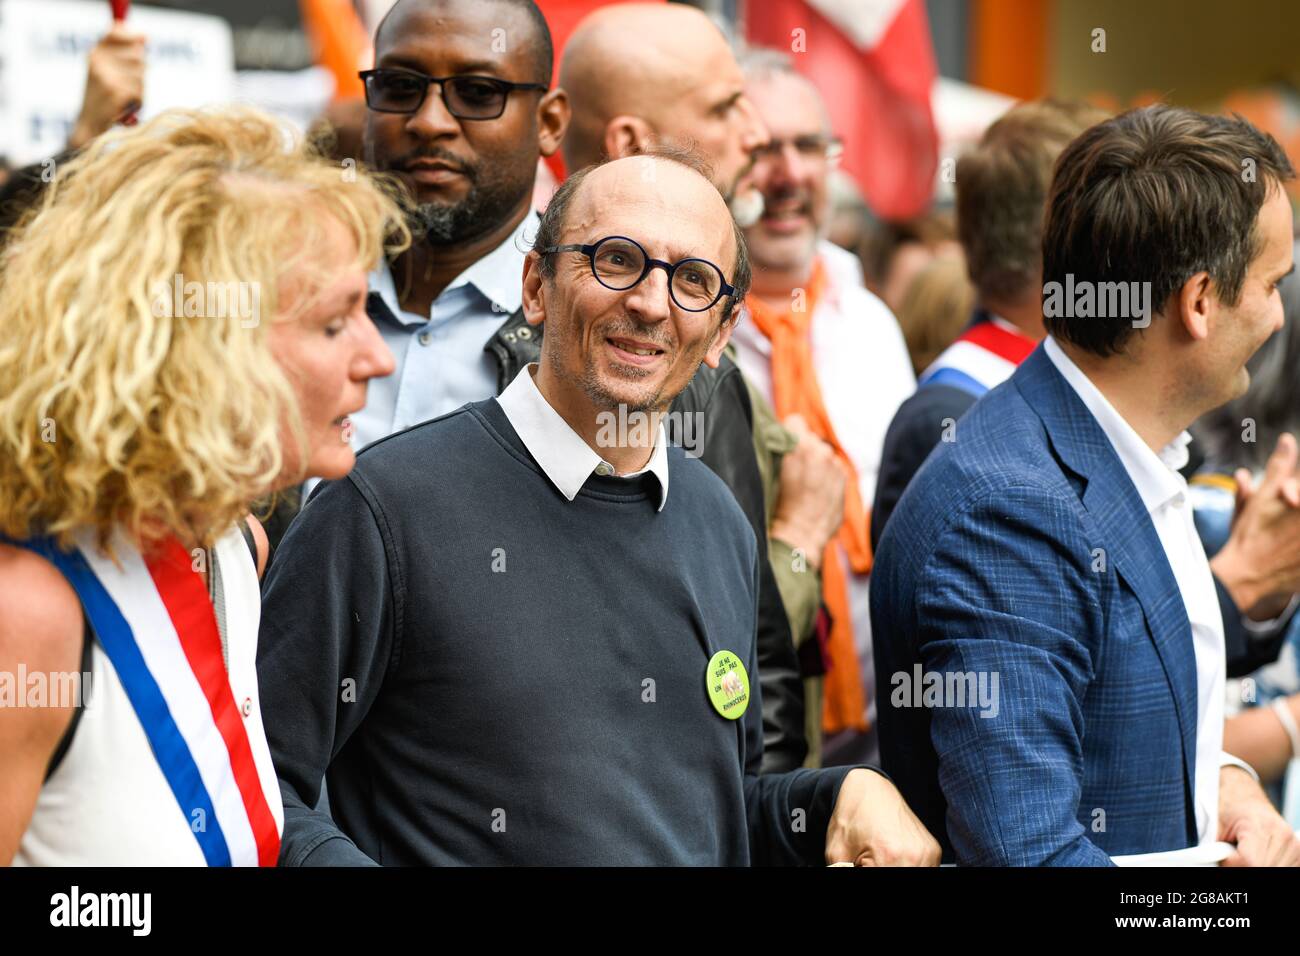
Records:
x=441, y=364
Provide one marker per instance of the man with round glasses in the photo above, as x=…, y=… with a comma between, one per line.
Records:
x=461, y=118
x=618, y=262
x=532, y=645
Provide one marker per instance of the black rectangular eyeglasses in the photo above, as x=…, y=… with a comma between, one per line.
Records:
x=466, y=97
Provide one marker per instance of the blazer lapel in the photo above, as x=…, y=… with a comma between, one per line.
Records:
x=1132, y=546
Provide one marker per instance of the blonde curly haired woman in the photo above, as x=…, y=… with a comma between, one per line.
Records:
x=182, y=331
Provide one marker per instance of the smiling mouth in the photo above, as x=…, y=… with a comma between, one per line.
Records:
x=634, y=353
x=778, y=211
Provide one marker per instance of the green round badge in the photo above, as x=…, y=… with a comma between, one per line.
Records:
x=727, y=684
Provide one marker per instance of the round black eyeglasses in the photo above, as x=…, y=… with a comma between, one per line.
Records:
x=466, y=97
x=620, y=263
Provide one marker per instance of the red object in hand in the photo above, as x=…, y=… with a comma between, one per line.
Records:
x=120, y=8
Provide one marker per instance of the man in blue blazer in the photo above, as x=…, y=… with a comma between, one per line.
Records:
x=1046, y=624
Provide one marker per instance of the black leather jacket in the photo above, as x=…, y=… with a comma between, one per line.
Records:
x=728, y=448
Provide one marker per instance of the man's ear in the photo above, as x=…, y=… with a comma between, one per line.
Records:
x=627, y=136
x=1194, y=302
x=720, y=340
x=534, y=298
x=553, y=114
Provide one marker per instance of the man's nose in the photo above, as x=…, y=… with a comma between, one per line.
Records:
x=753, y=132
x=789, y=167
x=649, y=299
x=432, y=119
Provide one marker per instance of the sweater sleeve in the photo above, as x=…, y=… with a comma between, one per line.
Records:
x=326, y=638
x=786, y=813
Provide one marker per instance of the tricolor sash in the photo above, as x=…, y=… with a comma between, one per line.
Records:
x=981, y=358
x=154, y=620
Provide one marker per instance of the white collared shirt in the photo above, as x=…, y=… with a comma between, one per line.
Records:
x=1164, y=493
x=843, y=266
x=441, y=362
x=562, y=454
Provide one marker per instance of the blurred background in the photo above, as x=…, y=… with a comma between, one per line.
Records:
x=910, y=82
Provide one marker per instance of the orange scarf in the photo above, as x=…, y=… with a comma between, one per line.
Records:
x=795, y=392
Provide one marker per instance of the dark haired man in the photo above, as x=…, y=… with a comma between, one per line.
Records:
x=467, y=149
x=1046, y=563
x=505, y=639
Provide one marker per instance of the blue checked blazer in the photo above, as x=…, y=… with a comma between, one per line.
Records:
x=1021, y=549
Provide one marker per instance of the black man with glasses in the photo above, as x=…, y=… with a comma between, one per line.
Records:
x=510, y=637
x=459, y=110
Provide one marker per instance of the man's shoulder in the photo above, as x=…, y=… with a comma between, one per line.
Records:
x=700, y=481
x=998, y=428
x=438, y=452
x=417, y=439
x=999, y=445
x=858, y=300
x=695, y=486
x=923, y=414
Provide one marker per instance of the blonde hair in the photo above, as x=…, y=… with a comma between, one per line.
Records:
x=115, y=412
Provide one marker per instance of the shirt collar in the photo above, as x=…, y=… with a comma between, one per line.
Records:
x=497, y=275
x=564, y=457
x=1154, y=475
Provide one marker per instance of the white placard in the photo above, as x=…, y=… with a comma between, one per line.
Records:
x=44, y=46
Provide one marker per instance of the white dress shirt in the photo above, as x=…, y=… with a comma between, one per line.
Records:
x=562, y=454
x=1164, y=493
x=844, y=267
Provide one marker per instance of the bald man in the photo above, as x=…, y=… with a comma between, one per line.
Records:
x=516, y=636
x=640, y=74
x=639, y=39
x=449, y=307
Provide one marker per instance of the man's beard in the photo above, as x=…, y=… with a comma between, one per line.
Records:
x=589, y=380
x=489, y=202
x=484, y=207
x=746, y=207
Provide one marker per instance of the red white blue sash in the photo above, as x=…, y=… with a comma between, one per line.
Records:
x=982, y=357
x=154, y=620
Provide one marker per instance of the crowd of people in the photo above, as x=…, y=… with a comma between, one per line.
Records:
x=405, y=512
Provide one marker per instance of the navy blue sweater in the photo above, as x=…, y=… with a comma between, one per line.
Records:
x=487, y=673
